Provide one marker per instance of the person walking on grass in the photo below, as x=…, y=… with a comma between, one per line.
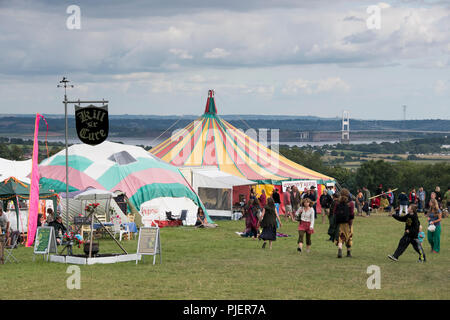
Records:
x=344, y=213
x=263, y=199
x=437, y=191
x=269, y=219
x=434, y=219
x=366, y=202
x=276, y=199
x=403, y=203
x=391, y=197
x=421, y=195
x=295, y=199
x=287, y=203
x=359, y=202
x=411, y=235
x=251, y=220
x=305, y=216
x=325, y=202
x=332, y=229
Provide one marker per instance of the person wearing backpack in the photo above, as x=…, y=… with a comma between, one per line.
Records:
x=325, y=202
x=344, y=214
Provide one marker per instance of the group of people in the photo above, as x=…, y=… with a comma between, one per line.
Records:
x=340, y=207
x=50, y=220
x=419, y=199
x=385, y=200
x=301, y=208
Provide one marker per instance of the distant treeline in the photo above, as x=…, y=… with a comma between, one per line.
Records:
x=21, y=149
x=413, y=146
x=403, y=175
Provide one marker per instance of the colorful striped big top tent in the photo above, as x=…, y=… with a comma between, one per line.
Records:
x=211, y=141
x=114, y=166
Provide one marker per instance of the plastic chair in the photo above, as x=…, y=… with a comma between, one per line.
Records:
x=183, y=217
x=118, y=229
x=169, y=216
x=125, y=230
x=9, y=249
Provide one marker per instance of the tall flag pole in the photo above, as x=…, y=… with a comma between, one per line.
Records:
x=64, y=84
x=34, y=187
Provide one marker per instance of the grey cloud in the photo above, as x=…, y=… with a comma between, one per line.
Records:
x=37, y=42
x=353, y=18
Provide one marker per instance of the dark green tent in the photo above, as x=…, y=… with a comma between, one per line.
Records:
x=13, y=189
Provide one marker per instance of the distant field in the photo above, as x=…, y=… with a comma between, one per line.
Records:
x=218, y=264
x=354, y=164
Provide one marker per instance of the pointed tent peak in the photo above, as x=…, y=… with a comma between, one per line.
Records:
x=210, y=103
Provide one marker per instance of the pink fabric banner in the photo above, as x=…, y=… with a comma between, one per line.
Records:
x=34, y=188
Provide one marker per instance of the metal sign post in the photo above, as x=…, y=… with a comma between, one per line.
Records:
x=64, y=84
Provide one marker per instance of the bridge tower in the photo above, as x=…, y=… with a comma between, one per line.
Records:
x=345, y=137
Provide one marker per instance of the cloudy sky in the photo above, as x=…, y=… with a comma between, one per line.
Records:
x=260, y=56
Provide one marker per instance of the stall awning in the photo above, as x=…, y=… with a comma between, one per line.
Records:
x=213, y=178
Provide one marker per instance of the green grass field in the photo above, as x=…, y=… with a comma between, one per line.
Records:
x=218, y=264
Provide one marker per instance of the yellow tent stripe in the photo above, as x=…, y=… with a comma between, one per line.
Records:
x=173, y=153
x=291, y=167
x=224, y=161
x=196, y=156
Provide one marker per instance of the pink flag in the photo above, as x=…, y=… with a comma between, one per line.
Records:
x=34, y=188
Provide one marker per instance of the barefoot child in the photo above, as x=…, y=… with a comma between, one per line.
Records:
x=421, y=235
x=411, y=234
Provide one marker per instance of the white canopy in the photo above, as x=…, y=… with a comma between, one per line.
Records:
x=105, y=199
x=214, y=187
x=17, y=169
x=214, y=178
x=95, y=194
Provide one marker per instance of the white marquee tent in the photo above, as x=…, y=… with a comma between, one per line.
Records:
x=18, y=169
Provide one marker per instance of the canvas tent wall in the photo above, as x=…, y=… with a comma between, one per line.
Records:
x=77, y=207
x=215, y=188
x=17, y=169
x=13, y=189
x=155, y=210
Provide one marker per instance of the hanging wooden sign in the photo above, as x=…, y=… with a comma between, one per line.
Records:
x=92, y=124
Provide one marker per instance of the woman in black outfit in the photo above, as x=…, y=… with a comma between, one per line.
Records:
x=269, y=219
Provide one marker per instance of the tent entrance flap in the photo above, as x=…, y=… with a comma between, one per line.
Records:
x=215, y=199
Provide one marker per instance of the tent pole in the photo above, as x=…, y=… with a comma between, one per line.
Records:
x=231, y=197
x=16, y=207
x=67, y=162
x=118, y=243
